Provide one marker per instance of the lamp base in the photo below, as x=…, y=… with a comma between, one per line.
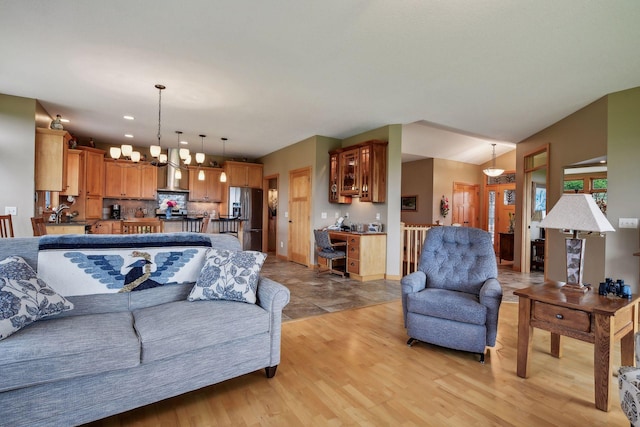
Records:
x=576, y=287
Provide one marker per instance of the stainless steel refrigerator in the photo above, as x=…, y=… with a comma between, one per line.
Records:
x=246, y=203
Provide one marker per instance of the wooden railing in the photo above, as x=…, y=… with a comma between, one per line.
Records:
x=411, y=240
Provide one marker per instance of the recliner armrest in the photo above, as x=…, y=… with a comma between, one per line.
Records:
x=490, y=289
x=413, y=282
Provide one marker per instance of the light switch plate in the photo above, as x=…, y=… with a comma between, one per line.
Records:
x=323, y=215
x=10, y=210
x=628, y=223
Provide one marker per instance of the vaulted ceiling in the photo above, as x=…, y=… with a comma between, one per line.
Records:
x=266, y=74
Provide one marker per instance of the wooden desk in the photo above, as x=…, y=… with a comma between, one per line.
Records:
x=589, y=317
x=366, y=254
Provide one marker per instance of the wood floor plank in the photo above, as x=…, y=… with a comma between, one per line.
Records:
x=354, y=368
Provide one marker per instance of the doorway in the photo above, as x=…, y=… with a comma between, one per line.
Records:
x=271, y=214
x=534, y=208
x=500, y=194
x=299, y=210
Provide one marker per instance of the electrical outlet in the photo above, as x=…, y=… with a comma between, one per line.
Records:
x=337, y=215
x=281, y=244
x=628, y=222
x=286, y=214
x=323, y=215
x=10, y=210
x=377, y=216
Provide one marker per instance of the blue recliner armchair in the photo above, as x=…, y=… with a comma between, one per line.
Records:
x=454, y=298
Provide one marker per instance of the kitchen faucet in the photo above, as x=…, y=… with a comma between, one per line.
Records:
x=58, y=211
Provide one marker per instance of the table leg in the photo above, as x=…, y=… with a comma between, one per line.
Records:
x=525, y=336
x=602, y=360
x=627, y=344
x=556, y=345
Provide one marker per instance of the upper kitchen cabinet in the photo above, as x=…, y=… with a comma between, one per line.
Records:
x=73, y=171
x=51, y=149
x=208, y=190
x=124, y=179
x=362, y=172
x=334, y=180
x=242, y=174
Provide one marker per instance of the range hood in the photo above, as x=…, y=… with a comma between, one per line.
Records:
x=173, y=184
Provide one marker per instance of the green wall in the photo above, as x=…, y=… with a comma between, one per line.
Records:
x=17, y=150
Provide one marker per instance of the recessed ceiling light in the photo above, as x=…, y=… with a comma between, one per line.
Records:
x=64, y=120
x=183, y=142
x=128, y=135
x=128, y=117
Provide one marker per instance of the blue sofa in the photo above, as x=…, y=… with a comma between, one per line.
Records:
x=117, y=351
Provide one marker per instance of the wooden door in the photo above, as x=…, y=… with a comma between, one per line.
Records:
x=465, y=204
x=299, y=221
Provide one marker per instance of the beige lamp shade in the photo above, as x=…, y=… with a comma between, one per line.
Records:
x=578, y=212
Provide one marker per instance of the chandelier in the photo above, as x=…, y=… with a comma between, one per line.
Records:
x=493, y=171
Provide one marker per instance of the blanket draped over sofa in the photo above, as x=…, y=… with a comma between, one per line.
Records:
x=115, y=351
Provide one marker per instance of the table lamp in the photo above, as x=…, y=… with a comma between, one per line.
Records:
x=578, y=213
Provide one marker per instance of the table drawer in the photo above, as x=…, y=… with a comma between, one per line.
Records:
x=353, y=266
x=562, y=316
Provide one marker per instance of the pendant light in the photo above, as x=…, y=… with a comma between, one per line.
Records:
x=178, y=172
x=200, y=158
x=493, y=171
x=156, y=150
x=223, y=176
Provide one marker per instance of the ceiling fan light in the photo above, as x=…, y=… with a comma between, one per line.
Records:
x=127, y=150
x=114, y=152
x=199, y=158
x=155, y=150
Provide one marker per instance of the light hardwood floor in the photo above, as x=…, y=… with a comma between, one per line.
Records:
x=354, y=368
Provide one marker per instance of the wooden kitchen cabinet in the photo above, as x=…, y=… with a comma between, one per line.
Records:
x=51, y=150
x=361, y=172
x=128, y=180
x=73, y=172
x=334, y=180
x=242, y=174
x=89, y=200
x=209, y=190
x=107, y=227
x=366, y=254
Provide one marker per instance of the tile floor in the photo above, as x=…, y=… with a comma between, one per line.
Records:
x=312, y=295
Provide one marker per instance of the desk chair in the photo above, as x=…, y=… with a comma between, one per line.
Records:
x=141, y=226
x=6, y=226
x=327, y=251
x=39, y=226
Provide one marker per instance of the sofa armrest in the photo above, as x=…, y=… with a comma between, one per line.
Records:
x=628, y=383
x=272, y=296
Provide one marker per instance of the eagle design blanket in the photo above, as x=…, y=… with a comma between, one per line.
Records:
x=98, y=264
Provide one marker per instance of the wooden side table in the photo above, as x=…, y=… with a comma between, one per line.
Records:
x=589, y=317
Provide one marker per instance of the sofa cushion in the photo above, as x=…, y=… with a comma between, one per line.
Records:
x=229, y=275
x=445, y=304
x=94, y=264
x=24, y=298
x=60, y=348
x=182, y=326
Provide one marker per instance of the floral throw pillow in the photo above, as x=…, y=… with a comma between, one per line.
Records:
x=229, y=275
x=24, y=298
